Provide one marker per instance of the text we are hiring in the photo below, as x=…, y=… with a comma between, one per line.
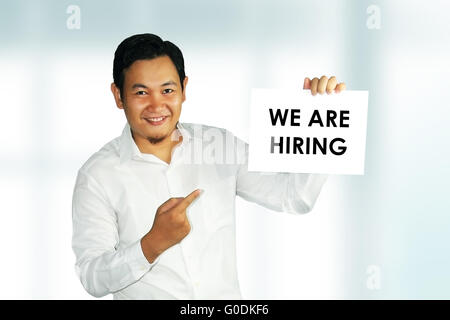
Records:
x=309, y=145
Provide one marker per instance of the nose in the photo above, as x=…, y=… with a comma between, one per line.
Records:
x=155, y=101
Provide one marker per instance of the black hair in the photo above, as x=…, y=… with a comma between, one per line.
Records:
x=143, y=47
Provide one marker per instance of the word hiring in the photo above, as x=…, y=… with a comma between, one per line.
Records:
x=309, y=145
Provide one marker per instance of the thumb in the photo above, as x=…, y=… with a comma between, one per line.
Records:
x=307, y=84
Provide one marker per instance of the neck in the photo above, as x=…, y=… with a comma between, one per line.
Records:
x=162, y=149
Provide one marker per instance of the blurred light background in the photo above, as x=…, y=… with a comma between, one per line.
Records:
x=383, y=235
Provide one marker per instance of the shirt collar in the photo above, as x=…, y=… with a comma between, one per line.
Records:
x=129, y=150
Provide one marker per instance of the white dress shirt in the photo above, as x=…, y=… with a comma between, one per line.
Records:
x=119, y=189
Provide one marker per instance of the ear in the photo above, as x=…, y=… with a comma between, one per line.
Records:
x=185, y=81
x=116, y=93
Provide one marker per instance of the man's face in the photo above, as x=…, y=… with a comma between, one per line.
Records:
x=152, y=99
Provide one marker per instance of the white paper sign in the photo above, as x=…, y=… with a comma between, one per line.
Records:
x=293, y=131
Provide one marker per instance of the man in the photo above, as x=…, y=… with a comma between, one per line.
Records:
x=149, y=222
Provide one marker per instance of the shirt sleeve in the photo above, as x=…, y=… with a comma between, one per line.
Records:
x=284, y=192
x=101, y=267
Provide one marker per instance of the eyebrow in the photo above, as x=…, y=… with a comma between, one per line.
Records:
x=167, y=83
x=139, y=85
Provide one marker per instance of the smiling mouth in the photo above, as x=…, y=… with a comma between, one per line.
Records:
x=156, y=121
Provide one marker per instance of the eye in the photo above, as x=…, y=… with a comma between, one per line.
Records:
x=165, y=91
x=141, y=93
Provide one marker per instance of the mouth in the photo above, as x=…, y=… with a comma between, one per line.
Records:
x=156, y=121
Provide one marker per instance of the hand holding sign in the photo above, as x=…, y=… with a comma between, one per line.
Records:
x=323, y=85
x=295, y=131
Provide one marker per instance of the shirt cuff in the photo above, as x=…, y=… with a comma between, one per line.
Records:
x=137, y=261
x=303, y=191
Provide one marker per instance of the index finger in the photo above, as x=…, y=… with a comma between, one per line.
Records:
x=183, y=204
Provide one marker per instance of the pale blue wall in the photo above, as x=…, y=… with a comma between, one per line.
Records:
x=57, y=110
